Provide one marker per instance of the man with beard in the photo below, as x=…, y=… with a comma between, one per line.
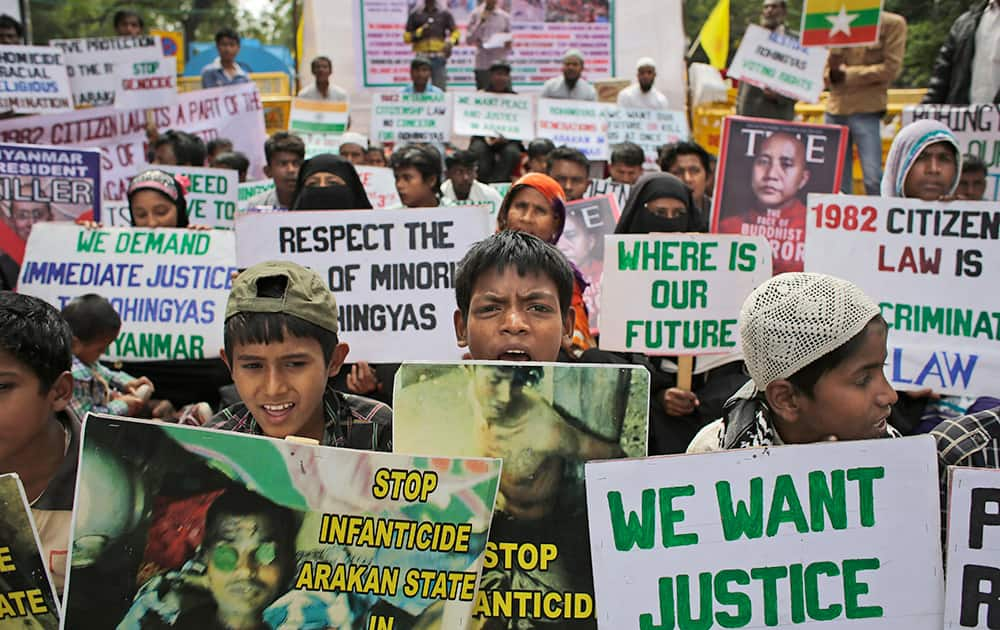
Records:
x=642, y=94
x=571, y=85
x=764, y=103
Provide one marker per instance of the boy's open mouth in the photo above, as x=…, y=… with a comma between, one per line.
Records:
x=514, y=354
x=277, y=411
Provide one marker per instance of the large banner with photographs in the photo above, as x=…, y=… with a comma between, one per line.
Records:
x=588, y=221
x=972, y=573
x=545, y=421
x=542, y=32
x=933, y=267
x=810, y=536
x=27, y=599
x=186, y=527
x=785, y=162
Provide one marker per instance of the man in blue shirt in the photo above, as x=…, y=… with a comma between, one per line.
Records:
x=225, y=70
x=420, y=77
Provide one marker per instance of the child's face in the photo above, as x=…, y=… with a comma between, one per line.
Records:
x=851, y=401
x=282, y=384
x=90, y=351
x=24, y=409
x=513, y=318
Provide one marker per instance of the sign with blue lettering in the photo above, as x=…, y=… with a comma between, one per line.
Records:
x=33, y=80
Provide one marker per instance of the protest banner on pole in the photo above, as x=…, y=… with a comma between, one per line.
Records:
x=169, y=286
x=807, y=536
x=380, y=186
x=648, y=128
x=840, y=23
x=588, y=221
x=319, y=123
x=42, y=183
x=392, y=271
x=27, y=596
x=486, y=114
x=972, y=574
x=249, y=190
x=619, y=191
x=931, y=266
x=771, y=201
x=350, y=538
x=775, y=61
x=578, y=124
x=545, y=421
x=150, y=82
x=96, y=65
x=34, y=80
x=232, y=112
x=977, y=129
x=678, y=293
x=404, y=118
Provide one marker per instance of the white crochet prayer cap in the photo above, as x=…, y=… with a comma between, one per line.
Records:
x=795, y=318
x=353, y=137
x=645, y=62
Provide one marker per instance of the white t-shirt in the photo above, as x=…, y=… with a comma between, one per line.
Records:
x=633, y=97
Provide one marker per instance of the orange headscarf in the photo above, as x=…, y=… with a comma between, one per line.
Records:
x=549, y=188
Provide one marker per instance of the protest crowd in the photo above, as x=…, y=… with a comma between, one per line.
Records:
x=435, y=318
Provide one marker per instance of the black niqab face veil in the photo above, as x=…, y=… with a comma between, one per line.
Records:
x=636, y=219
x=348, y=196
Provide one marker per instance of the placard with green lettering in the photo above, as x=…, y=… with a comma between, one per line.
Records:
x=834, y=535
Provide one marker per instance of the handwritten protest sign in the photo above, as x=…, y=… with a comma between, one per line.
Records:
x=588, y=221
x=778, y=62
x=380, y=186
x=150, y=82
x=545, y=420
x=33, y=80
x=810, y=536
x=319, y=123
x=231, y=112
x=27, y=598
x=648, y=128
x=578, y=124
x=678, y=293
x=348, y=537
x=96, y=65
x=41, y=183
x=392, y=271
x=169, y=286
x=771, y=201
x=922, y=261
x=212, y=194
x=485, y=114
x=249, y=190
x=977, y=129
x=598, y=187
x=973, y=555
x=404, y=118
x=114, y=214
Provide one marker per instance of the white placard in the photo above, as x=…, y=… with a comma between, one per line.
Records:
x=776, y=61
x=648, y=128
x=406, y=118
x=487, y=114
x=34, y=80
x=933, y=267
x=598, y=187
x=578, y=124
x=391, y=271
x=249, y=190
x=169, y=286
x=973, y=571
x=96, y=64
x=678, y=293
x=811, y=536
x=380, y=186
x=149, y=81
x=212, y=194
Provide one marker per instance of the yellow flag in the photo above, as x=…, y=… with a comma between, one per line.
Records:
x=714, y=35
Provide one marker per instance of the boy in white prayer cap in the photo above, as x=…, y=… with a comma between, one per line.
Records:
x=642, y=94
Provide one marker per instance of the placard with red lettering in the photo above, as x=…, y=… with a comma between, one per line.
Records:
x=766, y=169
x=147, y=82
x=380, y=186
x=578, y=124
x=933, y=268
x=96, y=65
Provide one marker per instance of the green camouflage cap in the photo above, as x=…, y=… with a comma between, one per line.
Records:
x=306, y=295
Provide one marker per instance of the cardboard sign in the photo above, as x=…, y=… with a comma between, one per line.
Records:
x=840, y=22
x=319, y=123
x=486, y=114
x=973, y=555
x=96, y=65
x=407, y=118
x=755, y=195
x=27, y=598
x=149, y=82
x=578, y=124
x=678, y=294
x=169, y=286
x=923, y=262
x=545, y=421
x=392, y=271
x=648, y=128
x=380, y=186
x=341, y=537
x=40, y=183
x=778, y=62
x=588, y=221
x=33, y=80
x=977, y=129
x=813, y=536
x=598, y=187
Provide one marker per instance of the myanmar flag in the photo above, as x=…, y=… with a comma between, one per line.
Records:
x=840, y=22
x=714, y=35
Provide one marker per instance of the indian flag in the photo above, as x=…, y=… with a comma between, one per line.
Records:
x=318, y=117
x=840, y=22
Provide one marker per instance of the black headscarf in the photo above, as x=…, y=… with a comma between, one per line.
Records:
x=635, y=219
x=335, y=197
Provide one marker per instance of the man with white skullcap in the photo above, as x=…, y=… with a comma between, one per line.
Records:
x=642, y=94
x=571, y=84
x=814, y=346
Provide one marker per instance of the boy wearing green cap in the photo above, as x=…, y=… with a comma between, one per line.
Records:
x=281, y=346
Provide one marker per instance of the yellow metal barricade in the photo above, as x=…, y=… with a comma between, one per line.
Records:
x=269, y=83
